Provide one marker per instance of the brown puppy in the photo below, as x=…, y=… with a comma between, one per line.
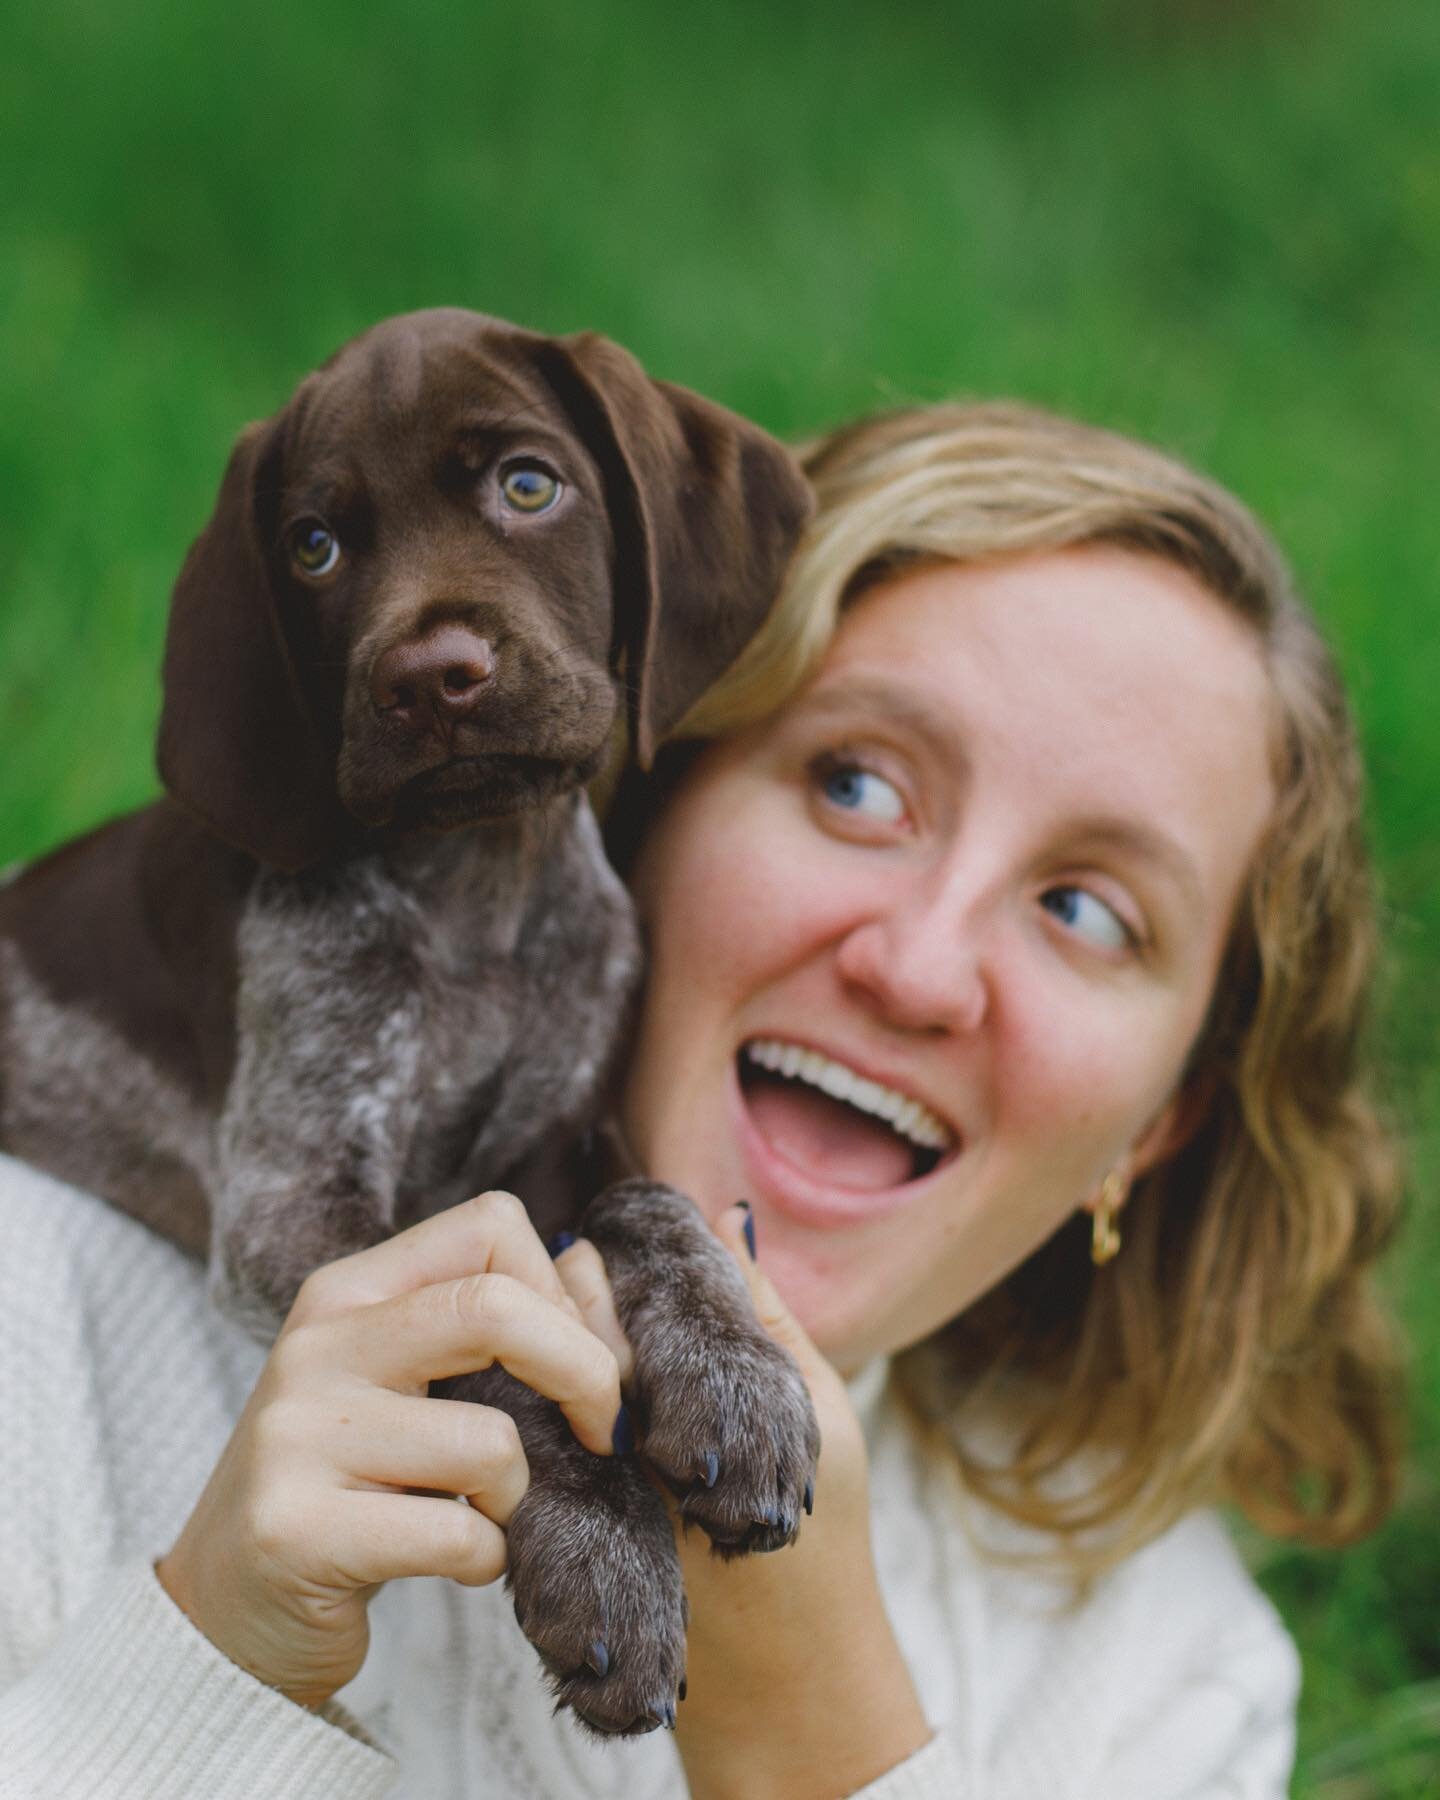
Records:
x=367, y=957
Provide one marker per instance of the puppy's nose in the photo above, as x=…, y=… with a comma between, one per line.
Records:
x=446, y=670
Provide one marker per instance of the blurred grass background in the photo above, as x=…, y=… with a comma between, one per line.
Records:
x=1213, y=222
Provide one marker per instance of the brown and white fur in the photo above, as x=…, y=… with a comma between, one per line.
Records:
x=367, y=956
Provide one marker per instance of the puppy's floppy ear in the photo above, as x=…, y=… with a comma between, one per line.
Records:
x=239, y=746
x=705, y=509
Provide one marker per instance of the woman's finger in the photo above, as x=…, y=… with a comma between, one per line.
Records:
x=459, y=1327
x=736, y=1230
x=377, y=1537
x=582, y=1269
x=450, y=1446
x=490, y=1234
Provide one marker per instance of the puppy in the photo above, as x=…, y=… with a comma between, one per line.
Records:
x=366, y=957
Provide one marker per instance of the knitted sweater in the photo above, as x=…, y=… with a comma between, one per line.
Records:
x=119, y=1386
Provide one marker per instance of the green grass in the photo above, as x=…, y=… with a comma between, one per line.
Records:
x=1214, y=223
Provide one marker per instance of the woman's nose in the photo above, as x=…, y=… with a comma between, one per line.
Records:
x=920, y=965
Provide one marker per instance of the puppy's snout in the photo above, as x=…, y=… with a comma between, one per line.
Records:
x=445, y=672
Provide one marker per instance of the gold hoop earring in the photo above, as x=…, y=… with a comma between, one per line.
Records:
x=1105, y=1233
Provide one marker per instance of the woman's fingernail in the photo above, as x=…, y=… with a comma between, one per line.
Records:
x=749, y=1228
x=623, y=1436
x=562, y=1240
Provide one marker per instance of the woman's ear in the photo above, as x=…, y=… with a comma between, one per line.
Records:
x=1165, y=1136
x=1174, y=1126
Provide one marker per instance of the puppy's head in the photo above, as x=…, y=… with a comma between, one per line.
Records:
x=428, y=578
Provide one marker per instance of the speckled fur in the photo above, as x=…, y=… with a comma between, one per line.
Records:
x=389, y=1015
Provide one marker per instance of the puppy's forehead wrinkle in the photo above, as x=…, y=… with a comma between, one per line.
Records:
x=502, y=388
x=479, y=415
x=476, y=437
x=327, y=488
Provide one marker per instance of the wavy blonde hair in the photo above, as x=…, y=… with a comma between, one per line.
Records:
x=1234, y=1350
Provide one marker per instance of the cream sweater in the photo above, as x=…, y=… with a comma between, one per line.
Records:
x=119, y=1386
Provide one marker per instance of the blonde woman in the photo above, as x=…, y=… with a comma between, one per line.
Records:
x=1032, y=825
x=1010, y=939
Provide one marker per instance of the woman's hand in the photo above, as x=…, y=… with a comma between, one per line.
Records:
x=796, y=1686
x=309, y=1509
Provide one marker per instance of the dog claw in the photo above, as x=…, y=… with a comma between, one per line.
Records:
x=712, y=1469
x=599, y=1658
x=809, y=1501
x=684, y=1687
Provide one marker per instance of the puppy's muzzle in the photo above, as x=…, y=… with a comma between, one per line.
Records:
x=440, y=678
x=453, y=724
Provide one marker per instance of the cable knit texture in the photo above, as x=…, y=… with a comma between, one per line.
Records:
x=1174, y=1681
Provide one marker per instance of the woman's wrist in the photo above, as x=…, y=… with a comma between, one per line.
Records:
x=796, y=1684
x=825, y=1719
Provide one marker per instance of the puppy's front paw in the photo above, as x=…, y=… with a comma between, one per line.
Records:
x=597, y=1591
x=725, y=1419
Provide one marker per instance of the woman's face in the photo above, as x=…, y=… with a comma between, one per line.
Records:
x=930, y=946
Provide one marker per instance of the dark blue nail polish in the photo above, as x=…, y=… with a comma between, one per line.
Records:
x=623, y=1436
x=562, y=1240
x=749, y=1228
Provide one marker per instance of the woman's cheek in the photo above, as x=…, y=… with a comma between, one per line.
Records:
x=1083, y=1091
x=748, y=897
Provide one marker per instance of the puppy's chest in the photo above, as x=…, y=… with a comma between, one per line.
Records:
x=441, y=1022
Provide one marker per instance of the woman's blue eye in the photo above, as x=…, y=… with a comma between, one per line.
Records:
x=860, y=790
x=1089, y=917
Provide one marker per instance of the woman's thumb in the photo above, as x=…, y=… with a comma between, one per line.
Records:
x=736, y=1230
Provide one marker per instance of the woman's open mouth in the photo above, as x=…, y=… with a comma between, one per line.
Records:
x=834, y=1125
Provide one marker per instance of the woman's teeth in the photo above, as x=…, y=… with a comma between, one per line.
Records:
x=903, y=1115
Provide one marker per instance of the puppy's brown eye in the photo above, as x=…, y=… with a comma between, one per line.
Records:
x=314, y=547
x=529, y=487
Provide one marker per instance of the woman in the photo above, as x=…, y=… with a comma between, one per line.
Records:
x=1010, y=935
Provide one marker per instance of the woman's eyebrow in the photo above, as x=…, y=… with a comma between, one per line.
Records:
x=896, y=705
x=1150, y=843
